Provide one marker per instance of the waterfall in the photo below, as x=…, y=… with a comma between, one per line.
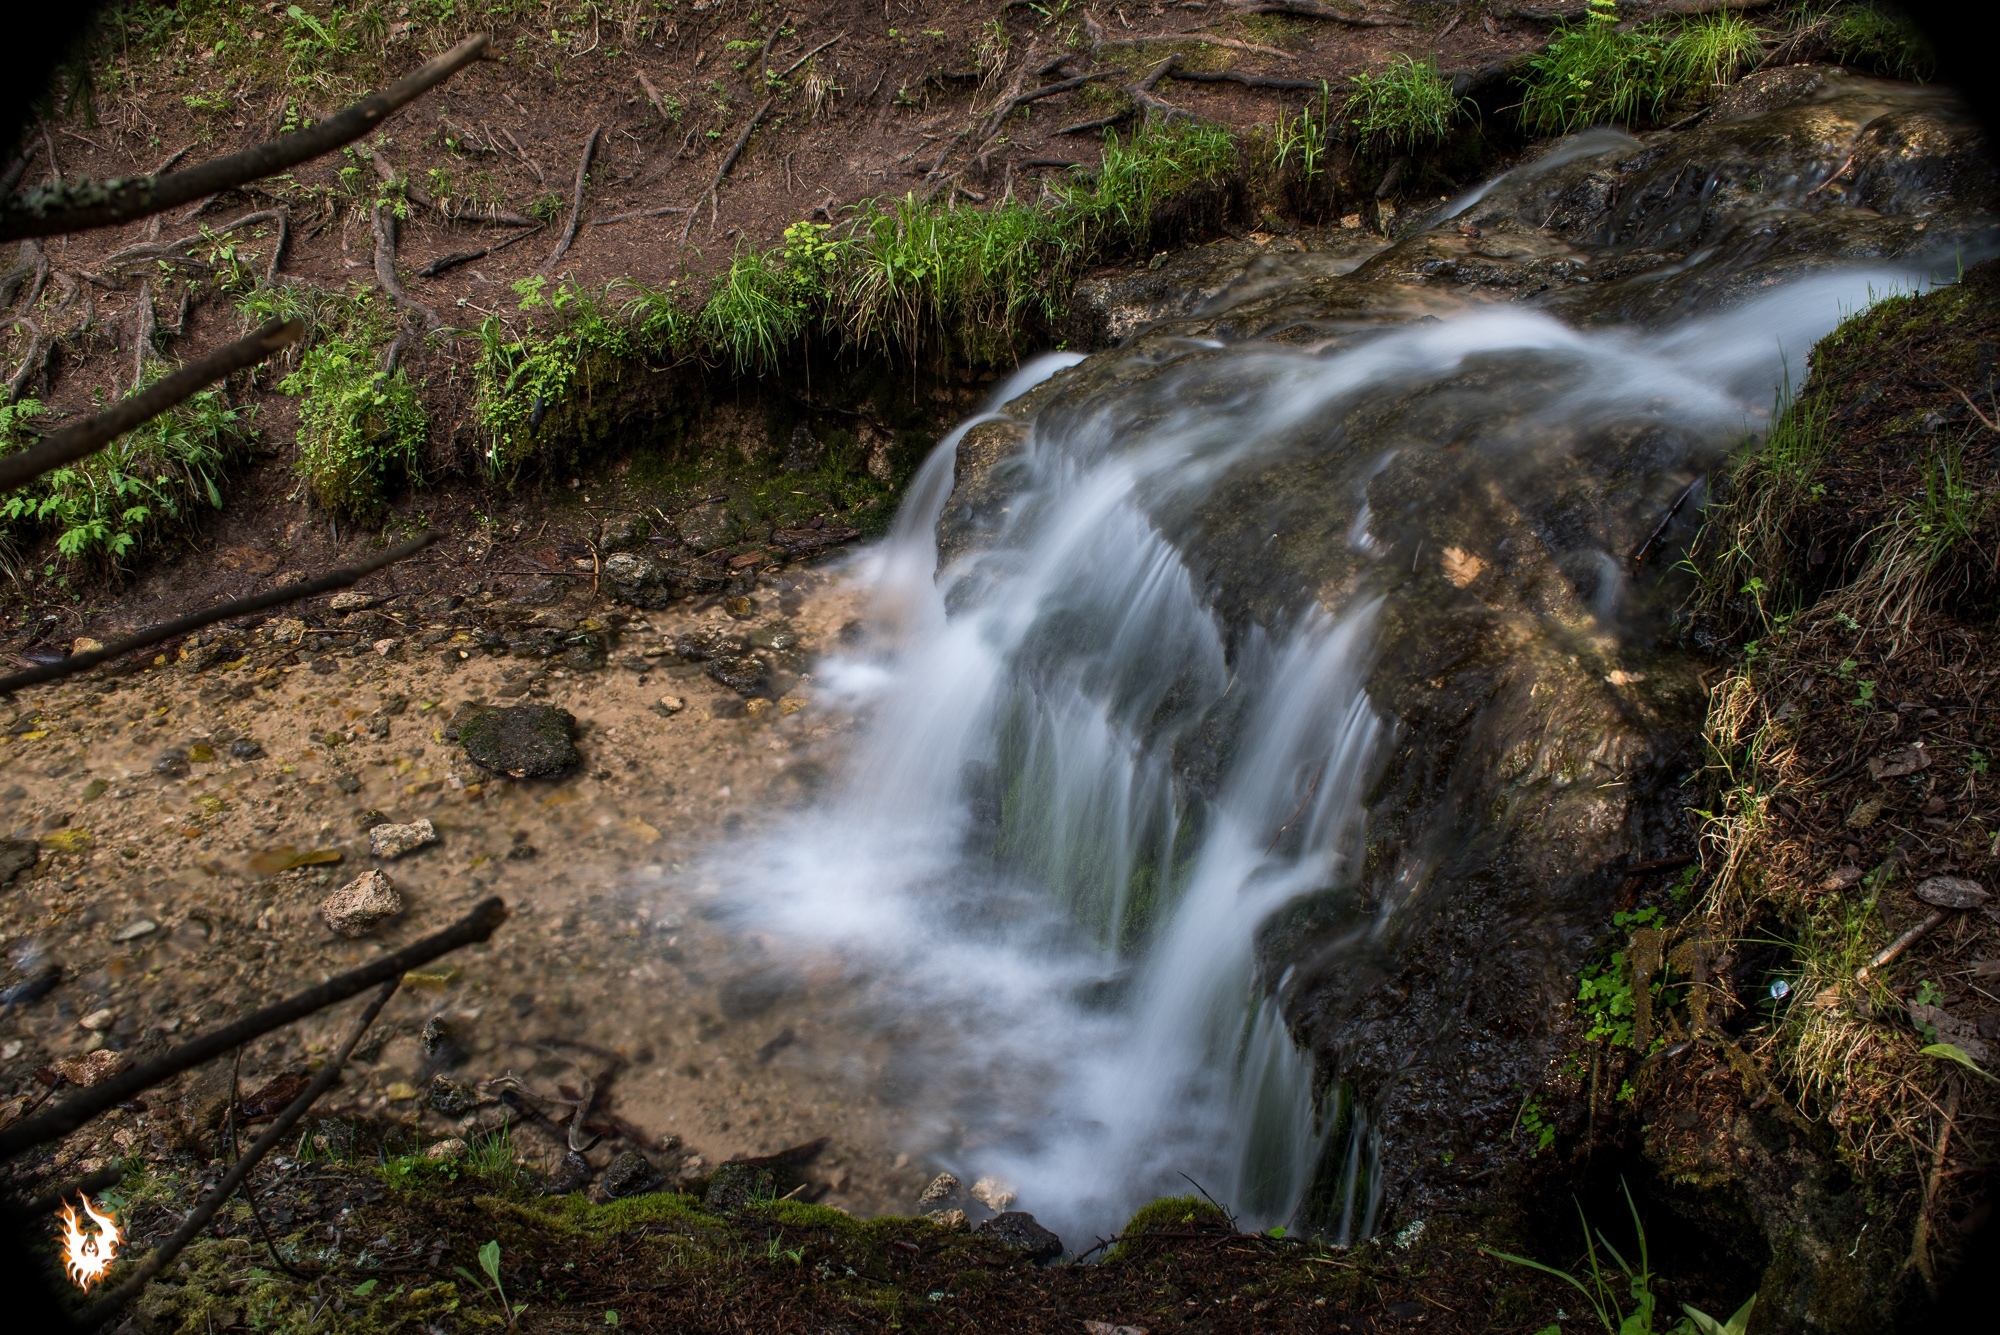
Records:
x=1058, y=923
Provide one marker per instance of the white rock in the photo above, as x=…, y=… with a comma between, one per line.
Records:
x=386, y=647
x=672, y=704
x=350, y=601
x=355, y=908
x=446, y=1150
x=83, y=644
x=393, y=841
x=992, y=1193
x=97, y=1020
x=135, y=929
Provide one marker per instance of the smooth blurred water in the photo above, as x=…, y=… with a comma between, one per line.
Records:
x=1013, y=868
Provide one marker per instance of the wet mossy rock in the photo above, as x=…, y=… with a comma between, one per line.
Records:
x=521, y=741
x=1169, y=1214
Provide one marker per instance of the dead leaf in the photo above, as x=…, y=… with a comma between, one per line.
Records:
x=1864, y=815
x=1952, y=892
x=274, y=1096
x=1461, y=567
x=1897, y=764
x=1841, y=877
x=285, y=857
x=1986, y=971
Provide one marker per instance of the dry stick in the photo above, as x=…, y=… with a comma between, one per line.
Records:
x=1312, y=9
x=715, y=186
x=653, y=96
x=87, y=437
x=87, y=204
x=1900, y=944
x=72, y=1113
x=1014, y=101
x=327, y=583
x=793, y=67
x=452, y=261
x=156, y=250
x=1142, y=91
x=1248, y=80
x=1102, y=123
x=575, y=200
x=1196, y=37
x=161, y=1256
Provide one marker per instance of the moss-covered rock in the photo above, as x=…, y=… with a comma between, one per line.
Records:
x=521, y=741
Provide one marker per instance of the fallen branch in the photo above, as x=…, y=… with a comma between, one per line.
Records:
x=72, y=1113
x=1101, y=123
x=793, y=67
x=145, y=328
x=1312, y=9
x=1889, y=953
x=167, y=630
x=640, y=213
x=1142, y=91
x=576, y=199
x=653, y=96
x=87, y=437
x=161, y=1256
x=445, y=263
x=1165, y=37
x=79, y=207
x=1249, y=80
x=715, y=186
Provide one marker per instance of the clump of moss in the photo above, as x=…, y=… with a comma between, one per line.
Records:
x=360, y=428
x=1170, y=1214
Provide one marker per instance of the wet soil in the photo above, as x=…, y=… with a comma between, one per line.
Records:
x=161, y=895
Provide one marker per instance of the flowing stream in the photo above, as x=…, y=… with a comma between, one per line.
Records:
x=1081, y=791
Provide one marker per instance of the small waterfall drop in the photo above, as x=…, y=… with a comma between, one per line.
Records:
x=1056, y=924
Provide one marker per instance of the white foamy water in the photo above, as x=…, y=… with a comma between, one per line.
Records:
x=1014, y=870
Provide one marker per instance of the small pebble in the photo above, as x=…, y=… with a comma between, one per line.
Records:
x=135, y=929
x=355, y=908
x=393, y=841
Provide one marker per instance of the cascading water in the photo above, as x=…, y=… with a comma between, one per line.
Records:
x=1013, y=856
x=1102, y=749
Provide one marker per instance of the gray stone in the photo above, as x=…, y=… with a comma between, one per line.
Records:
x=172, y=763
x=1953, y=892
x=135, y=929
x=642, y=579
x=944, y=1187
x=350, y=601
x=243, y=748
x=393, y=841
x=708, y=527
x=627, y=533
x=803, y=452
x=16, y=856
x=521, y=741
x=1017, y=1231
x=628, y=1175
x=745, y=674
x=450, y=1098
x=355, y=908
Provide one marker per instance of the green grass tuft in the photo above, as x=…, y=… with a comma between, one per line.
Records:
x=1407, y=106
x=1599, y=72
x=1884, y=42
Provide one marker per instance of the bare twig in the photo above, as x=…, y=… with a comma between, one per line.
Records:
x=445, y=263
x=86, y=204
x=1248, y=80
x=73, y=1112
x=715, y=186
x=86, y=437
x=161, y=1256
x=1103, y=122
x=793, y=67
x=289, y=593
x=575, y=199
x=1888, y=953
x=653, y=96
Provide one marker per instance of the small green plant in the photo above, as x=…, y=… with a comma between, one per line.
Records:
x=489, y=1262
x=1534, y=1120
x=1141, y=173
x=1885, y=42
x=360, y=428
x=1405, y=107
x=1602, y=72
x=1601, y=1290
x=1302, y=139
x=103, y=506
